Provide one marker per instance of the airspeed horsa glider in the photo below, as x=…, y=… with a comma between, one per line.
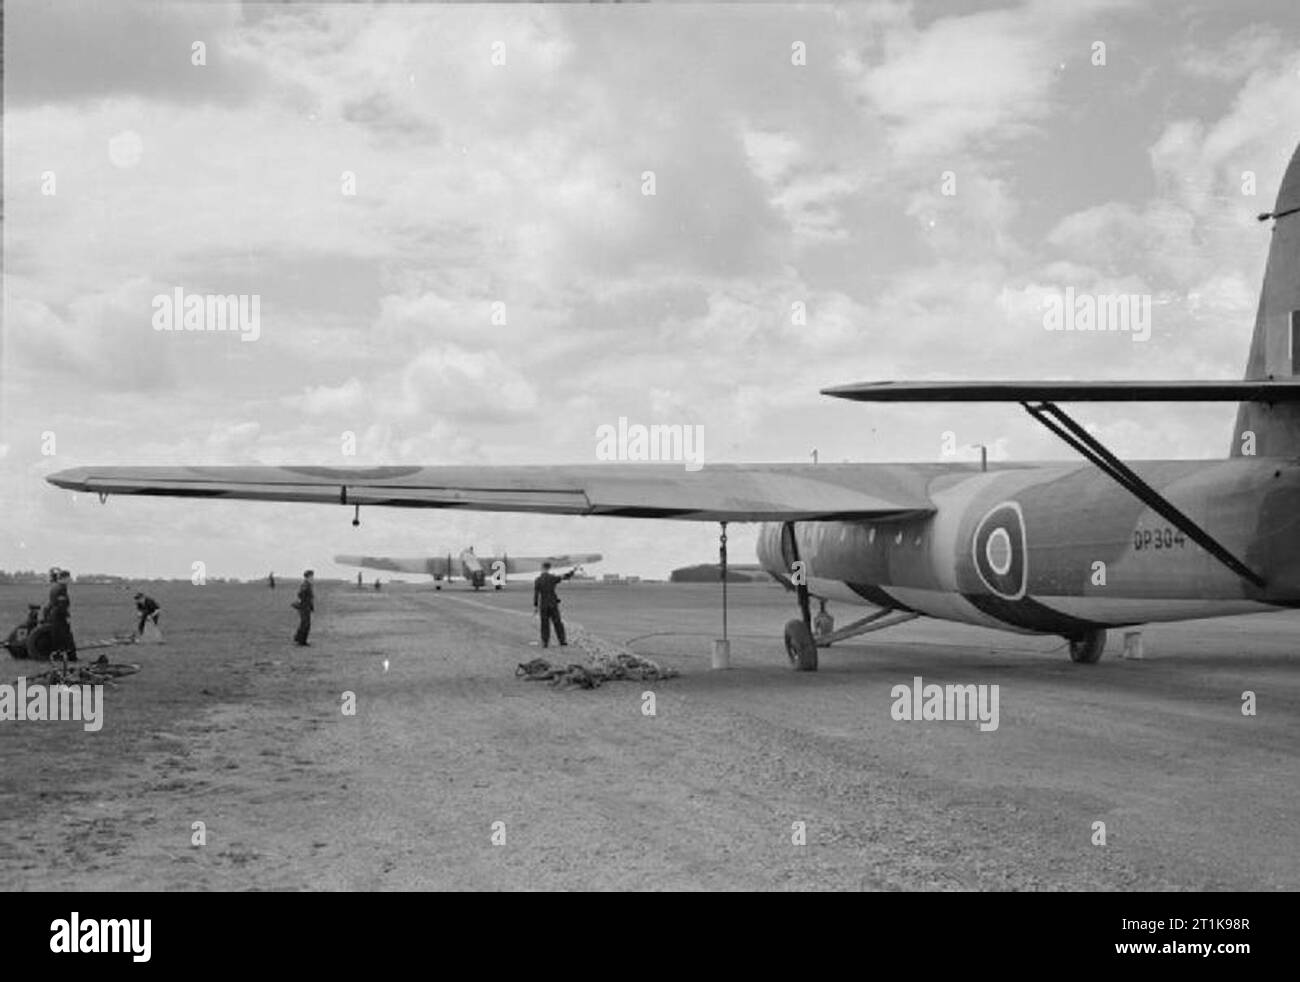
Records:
x=1015, y=547
x=475, y=570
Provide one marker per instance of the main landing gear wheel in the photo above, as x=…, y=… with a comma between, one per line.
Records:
x=800, y=647
x=1086, y=650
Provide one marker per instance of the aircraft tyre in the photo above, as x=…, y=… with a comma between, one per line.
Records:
x=17, y=642
x=40, y=643
x=1086, y=650
x=800, y=647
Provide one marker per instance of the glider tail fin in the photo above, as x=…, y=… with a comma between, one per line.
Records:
x=1264, y=429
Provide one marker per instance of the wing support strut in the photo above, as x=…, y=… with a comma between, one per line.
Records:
x=722, y=569
x=1060, y=423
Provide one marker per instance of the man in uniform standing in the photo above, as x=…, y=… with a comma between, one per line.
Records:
x=547, y=604
x=48, y=610
x=823, y=623
x=305, y=604
x=60, y=613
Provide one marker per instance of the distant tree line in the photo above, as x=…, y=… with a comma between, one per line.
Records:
x=42, y=576
x=23, y=576
x=711, y=573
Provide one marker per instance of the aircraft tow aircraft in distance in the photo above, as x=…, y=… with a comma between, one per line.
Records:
x=477, y=571
x=1060, y=547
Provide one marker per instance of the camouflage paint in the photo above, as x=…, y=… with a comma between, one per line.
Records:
x=1059, y=520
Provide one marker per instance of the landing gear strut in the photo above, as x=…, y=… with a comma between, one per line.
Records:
x=1086, y=649
x=800, y=646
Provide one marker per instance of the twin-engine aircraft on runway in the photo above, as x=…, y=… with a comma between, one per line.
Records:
x=477, y=571
x=1054, y=548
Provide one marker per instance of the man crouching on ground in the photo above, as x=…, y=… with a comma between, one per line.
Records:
x=149, y=611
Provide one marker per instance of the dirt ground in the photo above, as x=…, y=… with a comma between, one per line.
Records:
x=230, y=725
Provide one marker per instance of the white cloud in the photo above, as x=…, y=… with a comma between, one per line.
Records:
x=325, y=400
x=522, y=184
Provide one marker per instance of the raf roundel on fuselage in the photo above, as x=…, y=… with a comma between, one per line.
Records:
x=998, y=548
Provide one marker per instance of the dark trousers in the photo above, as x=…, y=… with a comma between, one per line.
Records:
x=61, y=636
x=304, y=625
x=139, y=628
x=547, y=615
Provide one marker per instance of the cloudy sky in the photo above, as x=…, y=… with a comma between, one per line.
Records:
x=1093, y=144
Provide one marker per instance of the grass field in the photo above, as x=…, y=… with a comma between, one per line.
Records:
x=229, y=725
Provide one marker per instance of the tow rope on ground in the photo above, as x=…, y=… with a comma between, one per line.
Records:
x=98, y=672
x=606, y=662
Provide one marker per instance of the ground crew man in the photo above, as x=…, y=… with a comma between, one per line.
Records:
x=547, y=604
x=823, y=623
x=149, y=611
x=46, y=610
x=305, y=604
x=17, y=640
x=270, y=580
x=60, y=615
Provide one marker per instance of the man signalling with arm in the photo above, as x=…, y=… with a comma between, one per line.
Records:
x=547, y=604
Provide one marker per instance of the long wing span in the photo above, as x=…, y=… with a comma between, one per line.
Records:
x=719, y=492
x=1173, y=391
x=432, y=566
x=533, y=564
x=437, y=565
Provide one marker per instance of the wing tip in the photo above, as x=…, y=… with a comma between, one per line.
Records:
x=71, y=479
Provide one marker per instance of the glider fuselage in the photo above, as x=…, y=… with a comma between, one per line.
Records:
x=1060, y=548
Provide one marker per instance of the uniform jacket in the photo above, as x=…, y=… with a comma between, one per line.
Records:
x=544, y=589
x=60, y=604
